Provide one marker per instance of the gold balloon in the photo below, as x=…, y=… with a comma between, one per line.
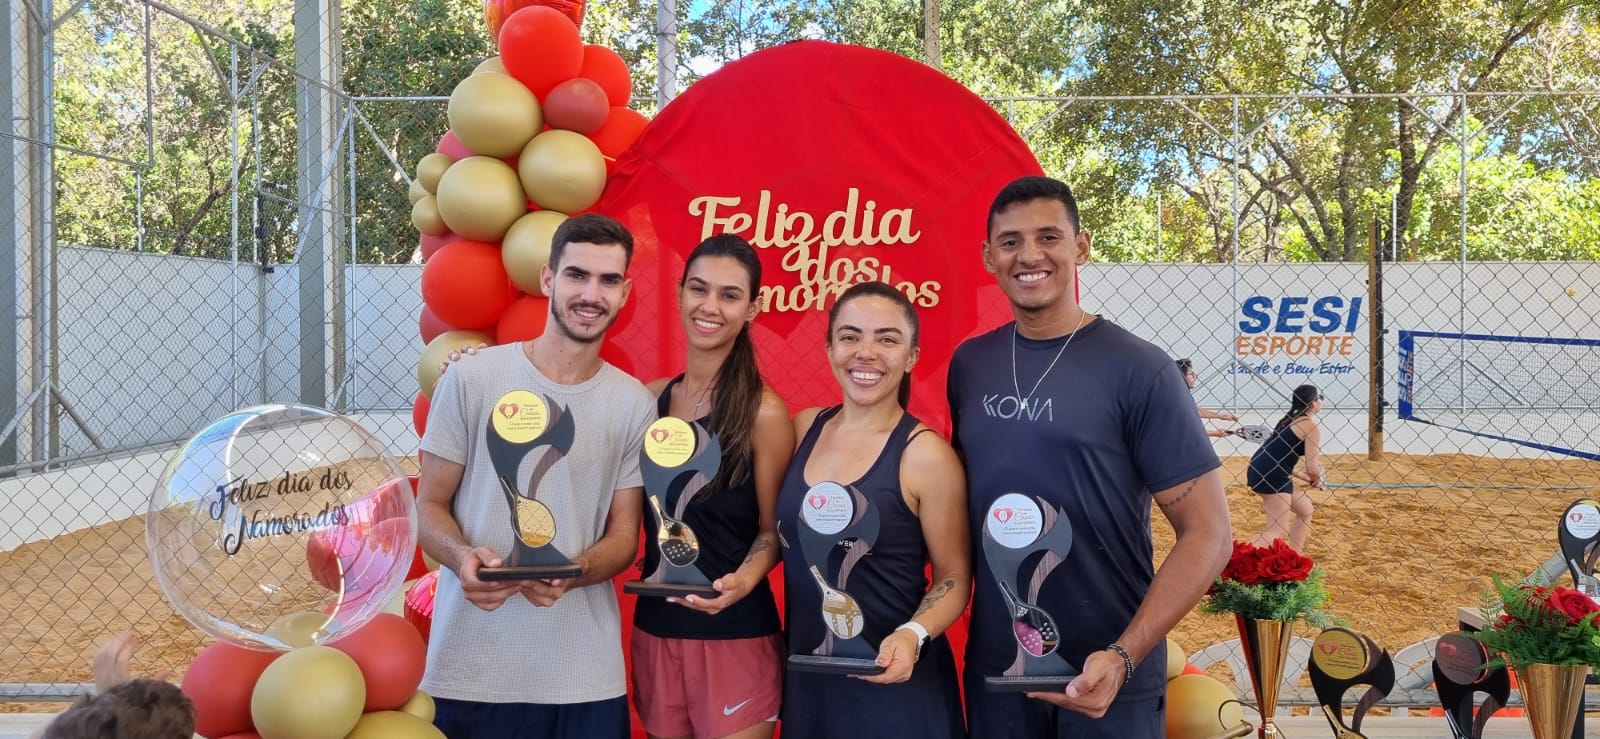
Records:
x=416, y=192
x=479, y=198
x=1192, y=708
x=493, y=114
x=1176, y=659
x=526, y=248
x=431, y=168
x=419, y=705
x=492, y=64
x=394, y=725
x=301, y=629
x=425, y=216
x=310, y=693
x=562, y=171
x=438, y=352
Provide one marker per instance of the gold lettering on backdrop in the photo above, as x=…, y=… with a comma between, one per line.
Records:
x=807, y=244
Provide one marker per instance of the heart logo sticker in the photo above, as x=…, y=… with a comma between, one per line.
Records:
x=659, y=435
x=1003, y=514
x=1328, y=647
x=509, y=409
x=817, y=501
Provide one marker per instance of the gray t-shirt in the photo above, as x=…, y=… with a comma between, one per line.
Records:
x=571, y=652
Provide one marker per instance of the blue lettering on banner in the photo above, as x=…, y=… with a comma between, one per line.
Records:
x=1288, y=314
x=1311, y=332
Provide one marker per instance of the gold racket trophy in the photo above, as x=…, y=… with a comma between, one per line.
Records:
x=678, y=461
x=520, y=424
x=834, y=517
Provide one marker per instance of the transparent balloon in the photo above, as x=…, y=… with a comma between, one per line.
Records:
x=281, y=526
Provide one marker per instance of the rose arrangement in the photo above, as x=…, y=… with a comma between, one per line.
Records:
x=1270, y=583
x=1540, y=624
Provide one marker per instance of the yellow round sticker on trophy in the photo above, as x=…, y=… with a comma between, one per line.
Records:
x=520, y=416
x=669, y=442
x=1341, y=654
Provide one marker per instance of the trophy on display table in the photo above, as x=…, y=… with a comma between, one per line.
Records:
x=1341, y=659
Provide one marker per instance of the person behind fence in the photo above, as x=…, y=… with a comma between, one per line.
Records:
x=1272, y=470
x=911, y=481
x=713, y=667
x=538, y=658
x=1064, y=405
x=1191, y=379
x=122, y=706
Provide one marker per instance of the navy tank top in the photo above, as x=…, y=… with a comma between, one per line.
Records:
x=1272, y=462
x=726, y=522
x=888, y=584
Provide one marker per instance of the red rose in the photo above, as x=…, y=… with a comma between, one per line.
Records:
x=1573, y=604
x=1281, y=563
x=1244, y=566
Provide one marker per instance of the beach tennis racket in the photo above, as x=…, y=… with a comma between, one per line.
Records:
x=1253, y=434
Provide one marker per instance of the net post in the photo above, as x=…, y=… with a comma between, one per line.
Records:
x=1375, y=342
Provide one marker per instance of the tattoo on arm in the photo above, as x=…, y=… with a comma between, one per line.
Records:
x=934, y=596
x=1180, y=496
x=762, y=544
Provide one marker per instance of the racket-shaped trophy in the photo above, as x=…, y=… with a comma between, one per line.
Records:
x=679, y=460
x=1254, y=434
x=1579, y=530
x=838, y=527
x=1340, y=660
x=1024, y=540
x=521, y=424
x=1460, y=670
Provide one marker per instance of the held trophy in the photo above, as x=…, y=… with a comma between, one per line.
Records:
x=520, y=423
x=1024, y=540
x=1459, y=671
x=1341, y=659
x=1579, y=530
x=679, y=460
x=833, y=518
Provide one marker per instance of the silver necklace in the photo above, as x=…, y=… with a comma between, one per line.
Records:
x=1023, y=401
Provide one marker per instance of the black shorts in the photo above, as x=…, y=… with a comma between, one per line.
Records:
x=607, y=719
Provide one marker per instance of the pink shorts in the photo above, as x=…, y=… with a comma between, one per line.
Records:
x=706, y=687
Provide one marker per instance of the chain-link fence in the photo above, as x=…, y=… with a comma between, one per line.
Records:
x=228, y=227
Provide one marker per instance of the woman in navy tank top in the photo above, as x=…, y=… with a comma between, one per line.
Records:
x=870, y=499
x=713, y=667
x=1272, y=466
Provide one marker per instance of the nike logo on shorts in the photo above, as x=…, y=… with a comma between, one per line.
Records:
x=730, y=710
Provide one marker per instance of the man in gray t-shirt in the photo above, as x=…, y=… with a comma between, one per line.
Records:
x=537, y=658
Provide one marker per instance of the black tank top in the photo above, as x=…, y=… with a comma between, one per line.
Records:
x=890, y=582
x=726, y=521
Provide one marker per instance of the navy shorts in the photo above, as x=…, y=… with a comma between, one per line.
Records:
x=1000, y=715
x=607, y=719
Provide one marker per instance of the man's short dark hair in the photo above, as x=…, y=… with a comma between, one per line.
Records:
x=1025, y=189
x=1185, y=366
x=590, y=228
x=137, y=709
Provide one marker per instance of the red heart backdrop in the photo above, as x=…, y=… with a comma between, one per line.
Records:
x=841, y=164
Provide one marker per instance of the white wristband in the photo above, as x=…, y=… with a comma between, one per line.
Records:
x=919, y=631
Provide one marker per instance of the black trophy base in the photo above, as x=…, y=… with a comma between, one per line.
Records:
x=1027, y=683
x=529, y=572
x=834, y=665
x=667, y=589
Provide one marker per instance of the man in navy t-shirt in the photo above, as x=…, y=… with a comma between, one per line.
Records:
x=1068, y=407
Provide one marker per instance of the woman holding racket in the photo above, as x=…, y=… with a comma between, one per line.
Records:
x=868, y=477
x=713, y=667
x=1297, y=436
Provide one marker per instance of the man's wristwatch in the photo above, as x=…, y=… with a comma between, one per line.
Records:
x=920, y=632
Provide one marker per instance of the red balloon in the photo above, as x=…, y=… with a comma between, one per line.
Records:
x=419, y=416
x=1190, y=669
x=622, y=127
x=579, y=104
x=419, y=603
x=220, y=681
x=430, y=326
x=452, y=147
x=391, y=655
x=466, y=286
x=523, y=321
x=495, y=12
x=246, y=735
x=541, y=48
x=430, y=245
x=354, y=560
x=607, y=68
x=419, y=566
